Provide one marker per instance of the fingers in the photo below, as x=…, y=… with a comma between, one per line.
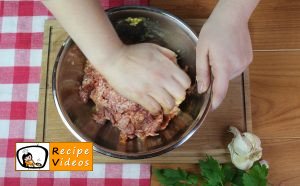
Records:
x=220, y=82
x=175, y=90
x=220, y=86
x=150, y=104
x=202, y=69
x=177, y=73
x=182, y=78
x=164, y=99
x=168, y=53
x=172, y=82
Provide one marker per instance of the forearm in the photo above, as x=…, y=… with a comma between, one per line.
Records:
x=88, y=25
x=236, y=10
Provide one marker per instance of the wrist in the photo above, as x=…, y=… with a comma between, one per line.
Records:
x=104, y=60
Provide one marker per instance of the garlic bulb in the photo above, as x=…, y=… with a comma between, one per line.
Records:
x=244, y=149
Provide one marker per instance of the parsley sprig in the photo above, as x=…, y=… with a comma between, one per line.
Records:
x=170, y=177
x=214, y=174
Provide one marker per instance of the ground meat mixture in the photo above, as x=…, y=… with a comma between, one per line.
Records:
x=131, y=118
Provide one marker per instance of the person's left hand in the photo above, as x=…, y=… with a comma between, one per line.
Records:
x=224, y=48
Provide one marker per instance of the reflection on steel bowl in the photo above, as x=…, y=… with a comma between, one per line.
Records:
x=157, y=26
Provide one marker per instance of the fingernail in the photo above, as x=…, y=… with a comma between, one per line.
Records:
x=215, y=104
x=201, y=86
x=166, y=111
x=212, y=107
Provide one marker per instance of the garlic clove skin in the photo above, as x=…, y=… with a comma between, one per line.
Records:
x=244, y=149
x=254, y=140
x=264, y=162
x=241, y=162
x=239, y=144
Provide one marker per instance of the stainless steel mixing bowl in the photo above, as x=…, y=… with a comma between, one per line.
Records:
x=158, y=27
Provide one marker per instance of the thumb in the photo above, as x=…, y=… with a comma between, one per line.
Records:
x=202, y=69
x=219, y=87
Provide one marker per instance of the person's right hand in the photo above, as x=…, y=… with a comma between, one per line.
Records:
x=147, y=74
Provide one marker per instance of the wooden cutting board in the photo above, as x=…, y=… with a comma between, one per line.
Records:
x=210, y=139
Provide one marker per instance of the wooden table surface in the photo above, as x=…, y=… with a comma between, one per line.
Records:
x=274, y=78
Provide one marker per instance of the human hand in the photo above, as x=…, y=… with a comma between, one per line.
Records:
x=144, y=73
x=147, y=74
x=224, y=49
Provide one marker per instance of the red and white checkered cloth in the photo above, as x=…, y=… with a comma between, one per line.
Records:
x=21, y=40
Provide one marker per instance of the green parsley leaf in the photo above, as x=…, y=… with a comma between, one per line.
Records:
x=171, y=173
x=214, y=174
x=192, y=179
x=183, y=173
x=228, y=171
x=167, y=176
x=211, y=171
x=256, y=176
x=179, y=177
x=238, y=178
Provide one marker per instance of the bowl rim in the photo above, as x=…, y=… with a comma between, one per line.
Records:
x=117, y=154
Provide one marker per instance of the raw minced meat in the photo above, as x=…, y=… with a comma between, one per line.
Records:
x=131, y=118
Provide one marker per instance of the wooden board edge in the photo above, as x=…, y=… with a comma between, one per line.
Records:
x=43, y=83
x=53, y=23
x=221, y=155
x=222, y=158
x=247, y=100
